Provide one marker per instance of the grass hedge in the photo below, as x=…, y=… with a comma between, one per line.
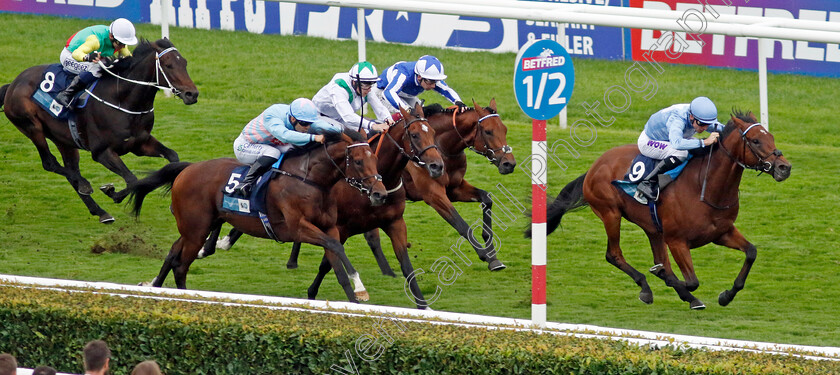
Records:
x=51, y=327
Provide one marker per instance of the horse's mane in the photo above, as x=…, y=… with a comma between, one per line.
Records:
x=747, y=117
x=433, y=109
x=145, y=47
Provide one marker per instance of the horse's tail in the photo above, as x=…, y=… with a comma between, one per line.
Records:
x=3, y=90
x=569, y=199
x=140, y=188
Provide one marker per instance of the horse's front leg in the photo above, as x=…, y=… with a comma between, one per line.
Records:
x=334, y=254
x=70, y=156
x=399, y=239
x=682, y=256
x=152, y=147
x=372, y=238
x=114, y=163
x=468, y=193
x=735, y=240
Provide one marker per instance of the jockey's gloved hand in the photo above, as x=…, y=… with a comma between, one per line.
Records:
x=461, y=106
x=92, y=56
x=107, y=60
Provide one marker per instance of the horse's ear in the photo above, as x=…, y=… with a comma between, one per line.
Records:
x=403, y=112
x=493, y=104
x=474, y=104
x=418, y=110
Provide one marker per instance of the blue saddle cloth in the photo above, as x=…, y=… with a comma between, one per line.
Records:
x=56, y=80
x=255, y=204
x=638, y=168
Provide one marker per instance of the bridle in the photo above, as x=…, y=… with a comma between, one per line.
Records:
x=158, y=73
x=762, y=166
x=488, y=153
x=356, y=182
x=415, y=155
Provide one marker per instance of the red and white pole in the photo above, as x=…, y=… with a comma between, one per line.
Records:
x=539, y=173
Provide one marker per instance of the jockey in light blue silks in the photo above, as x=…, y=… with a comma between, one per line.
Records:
x=400, y=84
x=275, y=131
x=347, y=93
x=669, y=134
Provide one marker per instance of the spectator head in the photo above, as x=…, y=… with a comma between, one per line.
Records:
x=146, y=368
x=97, y=355
x=8, y=364
x=44, y=370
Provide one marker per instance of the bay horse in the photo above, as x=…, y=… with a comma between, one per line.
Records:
x=481, y=130
x=118, y=118
x=698, y=208
x=410, y=139
x=299, y=207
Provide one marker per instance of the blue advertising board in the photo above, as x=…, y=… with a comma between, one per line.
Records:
x=543, y=79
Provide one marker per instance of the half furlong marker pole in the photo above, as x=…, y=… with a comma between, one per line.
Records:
x=539, y=172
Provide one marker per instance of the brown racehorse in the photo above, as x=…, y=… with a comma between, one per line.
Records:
x=410, y=139
x=298, y=204
x=698, y=208
x=119, y=123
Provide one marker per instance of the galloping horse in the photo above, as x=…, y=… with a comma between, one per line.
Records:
x=698, y=208
x=411, y=139
x=481, y=130
x=117, y=120
x=299, y=207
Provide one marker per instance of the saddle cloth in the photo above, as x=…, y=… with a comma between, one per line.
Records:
x=54, y=81
x=639, y=168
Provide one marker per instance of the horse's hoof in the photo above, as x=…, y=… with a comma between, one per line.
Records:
x=144, y=283
x=363, y=296
x=106, y=219
x=200, y=254
x=646, y=297
x=224, y=243
x=85, y=189
x=107, y=189
x=697, y=305
x=723, y=298
x=291, y=266
x=496, y=265
x=389, y=272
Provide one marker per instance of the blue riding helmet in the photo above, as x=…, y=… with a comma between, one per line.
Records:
x=304, y=110
x=703, y=110
x=429, y=67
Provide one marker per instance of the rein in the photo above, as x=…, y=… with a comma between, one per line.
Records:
x=159, y=72
x=358, y=183
x=416, y=157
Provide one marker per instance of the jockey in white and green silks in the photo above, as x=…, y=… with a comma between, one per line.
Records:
x=85, y=48
x=347, y=93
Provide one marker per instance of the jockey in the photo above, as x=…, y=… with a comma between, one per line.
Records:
x=275, y=131
x=85, y=48
x=400, y=84
x=669, y=134
x=346, y=93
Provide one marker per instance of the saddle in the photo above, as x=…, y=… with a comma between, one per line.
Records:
x=54, y=81
x=639, y=167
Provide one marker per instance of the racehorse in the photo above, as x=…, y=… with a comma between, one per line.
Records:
x=410, y=139
x=117, y=120
x=698, y=208
x=298, y=204
x=481, y=130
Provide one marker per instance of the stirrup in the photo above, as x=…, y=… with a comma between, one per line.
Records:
x=244, y=190
x=639, y=197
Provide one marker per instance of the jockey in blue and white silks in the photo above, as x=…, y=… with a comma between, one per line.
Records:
x=400, y=84
x=275, y=131
x=669, y=134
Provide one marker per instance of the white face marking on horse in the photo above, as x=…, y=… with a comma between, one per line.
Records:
x=425, y=128
x=367, y=153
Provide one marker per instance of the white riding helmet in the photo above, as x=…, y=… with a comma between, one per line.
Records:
x=429, y=67
x=364, y=72
x=123, y=31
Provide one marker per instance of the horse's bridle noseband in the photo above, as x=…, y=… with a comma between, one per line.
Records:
x=488, y=153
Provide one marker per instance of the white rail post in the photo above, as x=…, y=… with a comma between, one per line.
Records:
x=561, y=36
x=164, y=30
x=361, y=33
x=764, y=46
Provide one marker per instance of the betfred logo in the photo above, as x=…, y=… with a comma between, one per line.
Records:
x=545, y=60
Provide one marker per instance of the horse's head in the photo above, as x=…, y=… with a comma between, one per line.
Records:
x=170, y=68
x=754, y=147
x=359, y=164
x=419, y=137
x=491, y=138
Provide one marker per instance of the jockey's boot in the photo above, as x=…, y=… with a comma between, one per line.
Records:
x=259, y=167
x=649, y=186
x=65, y=96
